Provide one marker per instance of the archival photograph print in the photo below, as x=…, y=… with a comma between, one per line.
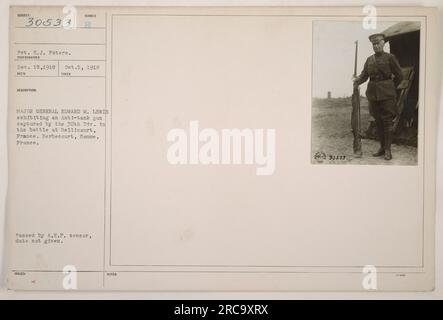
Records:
x=365, y=93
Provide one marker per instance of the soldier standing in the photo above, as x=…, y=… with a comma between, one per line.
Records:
x=382, y=69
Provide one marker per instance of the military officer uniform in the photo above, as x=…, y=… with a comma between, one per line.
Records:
x=381, y=69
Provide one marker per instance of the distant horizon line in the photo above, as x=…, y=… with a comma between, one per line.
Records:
x=343, y=97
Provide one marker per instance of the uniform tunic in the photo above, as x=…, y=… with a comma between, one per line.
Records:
x=381, y=91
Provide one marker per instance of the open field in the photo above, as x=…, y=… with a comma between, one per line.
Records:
x=332, y=136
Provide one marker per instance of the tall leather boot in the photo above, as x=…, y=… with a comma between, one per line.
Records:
x=381, y=138
x=388, y=130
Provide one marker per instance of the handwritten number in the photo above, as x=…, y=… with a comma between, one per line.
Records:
x=45, y=22
x=30, y=21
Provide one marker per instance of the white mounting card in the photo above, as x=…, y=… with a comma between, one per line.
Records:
x=217, y=148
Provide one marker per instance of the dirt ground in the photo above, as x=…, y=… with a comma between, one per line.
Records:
x=332, y=136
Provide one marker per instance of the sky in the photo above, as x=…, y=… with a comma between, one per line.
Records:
x=333, y=56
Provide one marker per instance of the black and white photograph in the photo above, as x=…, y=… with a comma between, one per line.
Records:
x=365, y=92
x=214, y=151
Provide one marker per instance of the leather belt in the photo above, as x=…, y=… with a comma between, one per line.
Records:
x=378, y=80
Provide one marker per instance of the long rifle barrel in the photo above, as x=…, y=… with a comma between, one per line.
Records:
x=356, y=55
x=355, y=117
